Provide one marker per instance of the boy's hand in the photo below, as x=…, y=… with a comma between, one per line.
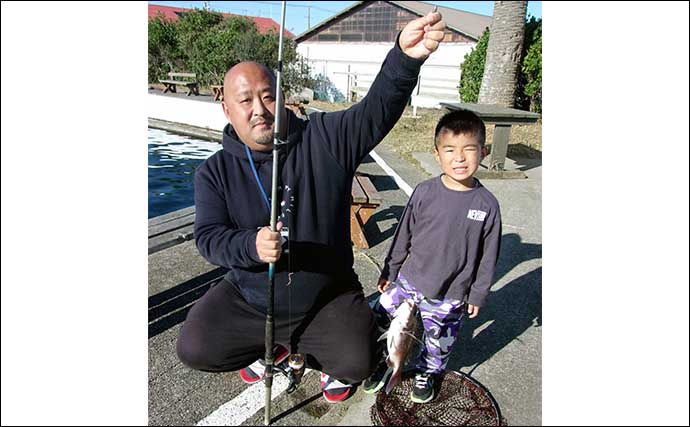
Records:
x=383, y=284
x=421, y=37
x=473, y=310
x=268, y=244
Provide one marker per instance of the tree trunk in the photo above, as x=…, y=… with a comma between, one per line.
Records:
x=503, y=53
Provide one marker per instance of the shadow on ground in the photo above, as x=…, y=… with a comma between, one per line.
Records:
x=372, y=229
x=512, y=309
x=170, y=307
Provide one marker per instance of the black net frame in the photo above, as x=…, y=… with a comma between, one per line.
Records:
x=460, y=401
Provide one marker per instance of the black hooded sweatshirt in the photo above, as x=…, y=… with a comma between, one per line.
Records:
x=316, y=170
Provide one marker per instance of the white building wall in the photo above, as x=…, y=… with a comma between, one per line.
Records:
x=439, y=76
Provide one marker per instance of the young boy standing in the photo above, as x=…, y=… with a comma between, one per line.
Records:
x=445, y=249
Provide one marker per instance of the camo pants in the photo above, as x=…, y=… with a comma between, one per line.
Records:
x=441, y=319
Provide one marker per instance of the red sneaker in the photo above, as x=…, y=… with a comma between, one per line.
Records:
x=255, y=372
x=334, y=391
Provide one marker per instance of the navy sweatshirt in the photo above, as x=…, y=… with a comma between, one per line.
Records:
x=447, y=242
x=316, y=171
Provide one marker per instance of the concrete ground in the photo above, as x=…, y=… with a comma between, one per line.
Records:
x=501, y=348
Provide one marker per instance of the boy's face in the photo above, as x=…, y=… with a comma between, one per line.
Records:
x=459, y=157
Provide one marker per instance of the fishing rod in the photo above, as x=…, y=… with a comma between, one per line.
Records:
x=274, y=217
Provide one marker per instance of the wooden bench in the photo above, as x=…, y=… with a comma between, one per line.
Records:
x=217, y=92
x=365, y=200
x=191, y=83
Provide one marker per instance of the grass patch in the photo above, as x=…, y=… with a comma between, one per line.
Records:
x=416, y=134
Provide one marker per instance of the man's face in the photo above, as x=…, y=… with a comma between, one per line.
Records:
x=459, y=157
x=249, y=105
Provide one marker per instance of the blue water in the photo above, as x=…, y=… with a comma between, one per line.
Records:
x=172, y=162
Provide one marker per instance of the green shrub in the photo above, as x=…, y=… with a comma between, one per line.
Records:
x=531, y=71
x=208, y=44
x=165, y=54
x=472, y=70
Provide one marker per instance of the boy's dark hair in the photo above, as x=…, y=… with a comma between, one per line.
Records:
x=461, y=122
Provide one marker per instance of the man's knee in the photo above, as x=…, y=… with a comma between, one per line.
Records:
x=353, y=366
x=190, y=353
x=353, y=374
x=197, y=355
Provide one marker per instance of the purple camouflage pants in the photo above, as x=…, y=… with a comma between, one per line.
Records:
x=441, y=319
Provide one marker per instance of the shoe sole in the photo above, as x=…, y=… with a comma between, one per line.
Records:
x=251, y=381
x=276, y=362
x=417, y=400
x=338, y=398
x=383, y=382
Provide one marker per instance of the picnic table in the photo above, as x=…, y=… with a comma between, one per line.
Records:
x=503, y=118
x=182, y=79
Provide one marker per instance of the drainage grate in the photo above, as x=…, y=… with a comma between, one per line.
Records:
x=461, y=401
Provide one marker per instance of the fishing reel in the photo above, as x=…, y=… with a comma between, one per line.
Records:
x=293, y=369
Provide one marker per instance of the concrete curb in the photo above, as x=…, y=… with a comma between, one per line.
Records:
x=187, y=130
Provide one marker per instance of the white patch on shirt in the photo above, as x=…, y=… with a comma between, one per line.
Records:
x=476, y=215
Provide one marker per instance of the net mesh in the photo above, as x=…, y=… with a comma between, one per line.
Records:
x=460, y=401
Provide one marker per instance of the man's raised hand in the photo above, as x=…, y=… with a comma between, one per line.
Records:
x=421, y=37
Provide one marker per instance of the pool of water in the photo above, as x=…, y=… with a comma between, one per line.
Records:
x=172, y=162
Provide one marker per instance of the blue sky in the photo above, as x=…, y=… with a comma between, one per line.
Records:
x=298, y=13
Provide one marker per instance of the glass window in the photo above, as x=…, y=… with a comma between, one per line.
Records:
x=328, y=37
x=351, y=37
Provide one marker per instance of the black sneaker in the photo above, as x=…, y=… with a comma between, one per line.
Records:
x=423, y=390
x=378, y=379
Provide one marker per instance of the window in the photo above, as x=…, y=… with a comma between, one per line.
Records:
x=328, y=37
x=351, y=37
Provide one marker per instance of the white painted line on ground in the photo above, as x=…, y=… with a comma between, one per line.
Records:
x=514, y=226
x=401, y=183
x=246, y=404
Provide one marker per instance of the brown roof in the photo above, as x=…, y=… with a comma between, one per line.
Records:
x=263, y=25
x=469, y=24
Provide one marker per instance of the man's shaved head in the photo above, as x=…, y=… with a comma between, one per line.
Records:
x=250, y=67
x=249, y=91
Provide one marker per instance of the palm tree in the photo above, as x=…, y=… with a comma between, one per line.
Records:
x=503, y=53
